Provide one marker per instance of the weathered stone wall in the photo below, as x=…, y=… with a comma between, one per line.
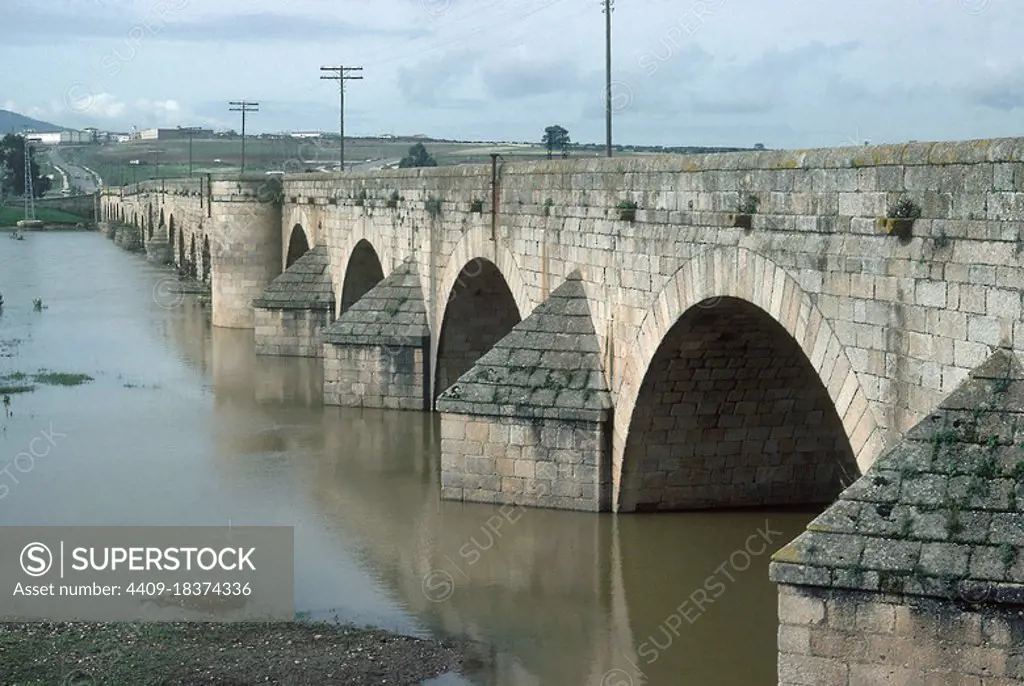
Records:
x=890, y=326
x=895, y=325
x=478, y=316
x=374, y=376
x=537, y=462
x=293, y=333
x=173, y=216
x=830, y=637
x=732, y=416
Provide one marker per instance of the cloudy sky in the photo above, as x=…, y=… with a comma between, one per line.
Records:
x=786, y=73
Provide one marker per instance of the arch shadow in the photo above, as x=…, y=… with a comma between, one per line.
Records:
x=362, y=273
x=298, y=245
x=697, y=351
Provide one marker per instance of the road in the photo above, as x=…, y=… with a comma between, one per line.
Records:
x=75, y=175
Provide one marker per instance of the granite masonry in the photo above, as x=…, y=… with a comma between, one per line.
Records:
x=292, y=313
x=915, y=574
x=874, y=321
x=762, y=329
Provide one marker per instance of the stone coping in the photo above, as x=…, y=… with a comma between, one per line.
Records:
x=914, y=154
x=548, y=366
x=306, y=285
x=941, y=514
x=391, y=314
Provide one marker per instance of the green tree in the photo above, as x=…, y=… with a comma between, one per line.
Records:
x=556, y=138
x=12, y=158
x=417, y=157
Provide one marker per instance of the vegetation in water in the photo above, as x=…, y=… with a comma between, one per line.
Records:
x=37, y=305
x=20, y=382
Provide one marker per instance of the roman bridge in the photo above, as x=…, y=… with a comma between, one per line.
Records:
x=750, y=334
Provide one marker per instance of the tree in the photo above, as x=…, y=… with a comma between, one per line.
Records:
x=12, y=158
x=417, y=157
x=556, y=138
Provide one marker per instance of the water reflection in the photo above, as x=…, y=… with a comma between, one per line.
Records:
x=185, y=425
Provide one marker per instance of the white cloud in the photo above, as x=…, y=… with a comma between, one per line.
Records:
x=788, y=73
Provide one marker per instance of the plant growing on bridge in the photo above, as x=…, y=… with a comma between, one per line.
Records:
x=476, y=206
x=627, y=210
x=361, y=198
x=433, y=207
x=392, y=201
x=899, y=218
x=904, y=208
x=548, y=203
x=745, y=208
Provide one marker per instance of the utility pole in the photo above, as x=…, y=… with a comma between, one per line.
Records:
x=244, y=107
x=608, y=7
x=30, y=201
x=191, y=131
x=341, y=75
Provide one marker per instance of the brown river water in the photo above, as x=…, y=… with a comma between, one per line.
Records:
x=184, y=425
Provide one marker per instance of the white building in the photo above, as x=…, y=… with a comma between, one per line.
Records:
x=306, y=134
x=62, y=137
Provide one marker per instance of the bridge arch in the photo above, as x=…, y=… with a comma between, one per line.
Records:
x=362, y=272
x=182, y=264
x=206, y=259
x=482, y=296
x=737, y=392
x=298, y=245
x=170, y=231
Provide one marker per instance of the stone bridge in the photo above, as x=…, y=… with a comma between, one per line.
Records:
x=752, y=333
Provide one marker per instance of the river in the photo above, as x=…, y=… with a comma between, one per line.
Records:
x=184, y=425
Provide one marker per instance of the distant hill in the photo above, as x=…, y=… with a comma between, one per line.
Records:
x=12, y=122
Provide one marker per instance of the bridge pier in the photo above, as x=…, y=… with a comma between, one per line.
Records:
x=377, y=353
x=529, y=423
x=914, y=575
x=246, y=246
x=292, y=313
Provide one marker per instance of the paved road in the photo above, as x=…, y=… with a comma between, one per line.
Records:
x=76, y=175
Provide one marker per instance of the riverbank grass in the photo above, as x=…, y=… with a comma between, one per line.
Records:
x=34, y=654
x=10, y=216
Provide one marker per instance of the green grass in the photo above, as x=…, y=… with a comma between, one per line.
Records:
x=12, y=214
x=61, y=378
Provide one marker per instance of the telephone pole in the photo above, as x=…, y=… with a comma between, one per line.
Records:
x=341, y=75
x=30, y=200
x=191, y=131
x=244, y=107
x=608, y=7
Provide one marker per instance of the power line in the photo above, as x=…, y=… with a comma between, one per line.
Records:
x=341, y=75
x=244, y=107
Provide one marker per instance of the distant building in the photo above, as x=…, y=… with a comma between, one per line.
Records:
x=172, y=134
x=62, y=137
x=306, y=134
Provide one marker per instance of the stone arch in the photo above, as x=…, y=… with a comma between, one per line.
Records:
x=476, y=244
x=738, y=286
x=170, y=231
x=182, y=264
x=298, y=245
x=480, y=311
x=363, y=272
x=206, y=259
